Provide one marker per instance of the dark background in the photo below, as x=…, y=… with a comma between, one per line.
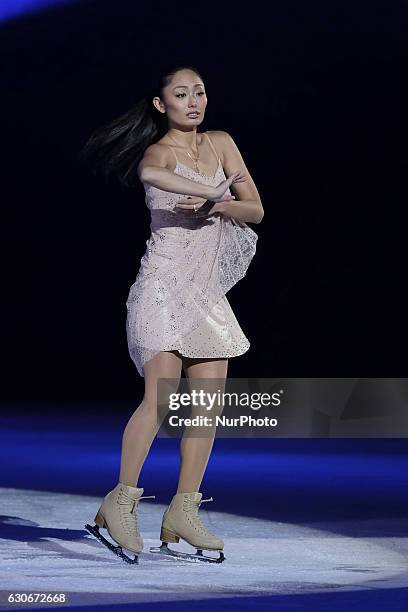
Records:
x=314, y=94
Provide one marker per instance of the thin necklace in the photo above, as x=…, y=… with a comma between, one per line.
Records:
x=195, y=159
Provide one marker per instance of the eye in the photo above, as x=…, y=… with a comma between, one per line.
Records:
x=200, y=93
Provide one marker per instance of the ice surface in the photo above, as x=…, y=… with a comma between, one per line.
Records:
x=45, y=547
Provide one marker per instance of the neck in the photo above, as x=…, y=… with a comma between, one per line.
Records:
x=185, y=139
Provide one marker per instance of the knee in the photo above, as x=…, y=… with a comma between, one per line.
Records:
x=217, y=410
x=149, y=403
x=146, y=408
x=210, y=410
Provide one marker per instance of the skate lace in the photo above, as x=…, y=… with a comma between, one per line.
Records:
x=194, y=506
x=136, y=501
x=205, y=500
x=189, y=504
x=130, y=517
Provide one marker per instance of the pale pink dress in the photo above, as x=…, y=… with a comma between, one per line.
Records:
x=178, y=300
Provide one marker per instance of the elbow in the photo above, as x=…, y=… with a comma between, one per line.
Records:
x=147, y=174
x=260, y=215
x=144, y=175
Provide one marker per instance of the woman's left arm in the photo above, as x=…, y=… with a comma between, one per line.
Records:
x=248, y=206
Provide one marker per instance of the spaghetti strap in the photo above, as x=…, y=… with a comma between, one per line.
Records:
x=212, y=146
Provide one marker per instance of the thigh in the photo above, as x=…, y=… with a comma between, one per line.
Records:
x=205, y=367
x=165, y=364
x=207, y=376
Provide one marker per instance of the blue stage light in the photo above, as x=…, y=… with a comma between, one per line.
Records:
x=10, y=9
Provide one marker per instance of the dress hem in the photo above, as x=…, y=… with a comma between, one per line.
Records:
x=193, y=357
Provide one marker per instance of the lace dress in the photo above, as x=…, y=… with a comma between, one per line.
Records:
x=178, y=300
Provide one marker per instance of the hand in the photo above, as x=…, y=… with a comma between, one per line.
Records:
x=203, y=207
x=219, y=191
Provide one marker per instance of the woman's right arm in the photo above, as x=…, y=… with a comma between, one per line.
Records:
x=153, y=169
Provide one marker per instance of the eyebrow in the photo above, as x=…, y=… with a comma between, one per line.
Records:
x=185, y=86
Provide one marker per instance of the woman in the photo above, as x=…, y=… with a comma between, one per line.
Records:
x=177, y=313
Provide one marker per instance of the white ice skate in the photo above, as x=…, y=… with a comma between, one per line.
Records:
x=118, y=515
x=181, y=521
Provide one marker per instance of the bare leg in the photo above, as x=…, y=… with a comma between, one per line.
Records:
x=195, y=450
x=142, y=427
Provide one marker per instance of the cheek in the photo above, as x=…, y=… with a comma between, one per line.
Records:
x=176, y=107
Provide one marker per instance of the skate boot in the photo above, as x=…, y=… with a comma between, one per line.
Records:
x=118, y=515
x=181, y=521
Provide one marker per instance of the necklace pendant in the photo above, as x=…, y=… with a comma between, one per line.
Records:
x=195, y=161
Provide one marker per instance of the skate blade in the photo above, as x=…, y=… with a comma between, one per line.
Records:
x=198, y=557
x=117, y=550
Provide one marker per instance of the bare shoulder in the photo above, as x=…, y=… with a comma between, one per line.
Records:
x=219, y=137
x=218, y=134
x=223, y=142
x=156, y=154
x=225, y=146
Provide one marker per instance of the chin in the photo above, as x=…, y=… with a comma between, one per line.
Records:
x=195, y=122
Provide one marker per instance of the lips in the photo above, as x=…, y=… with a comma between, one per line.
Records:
x=193, y=114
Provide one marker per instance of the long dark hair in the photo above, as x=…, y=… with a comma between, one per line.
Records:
x=116, y=148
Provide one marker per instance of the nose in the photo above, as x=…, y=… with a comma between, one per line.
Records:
x=193, y=97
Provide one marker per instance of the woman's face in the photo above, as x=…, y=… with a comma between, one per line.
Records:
x=184, y=101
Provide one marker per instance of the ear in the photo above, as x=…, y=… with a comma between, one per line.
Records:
x=158, y=104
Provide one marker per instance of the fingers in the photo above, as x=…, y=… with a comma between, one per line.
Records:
x=237, y=177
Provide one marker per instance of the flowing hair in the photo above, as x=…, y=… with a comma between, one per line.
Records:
x=116, y=148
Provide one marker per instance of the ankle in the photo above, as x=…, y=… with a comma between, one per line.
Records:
x=128, y=482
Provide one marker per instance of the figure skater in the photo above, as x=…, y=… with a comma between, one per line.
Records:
x=178, y=316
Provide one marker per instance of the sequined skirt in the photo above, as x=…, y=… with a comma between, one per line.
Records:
x=178, y=302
